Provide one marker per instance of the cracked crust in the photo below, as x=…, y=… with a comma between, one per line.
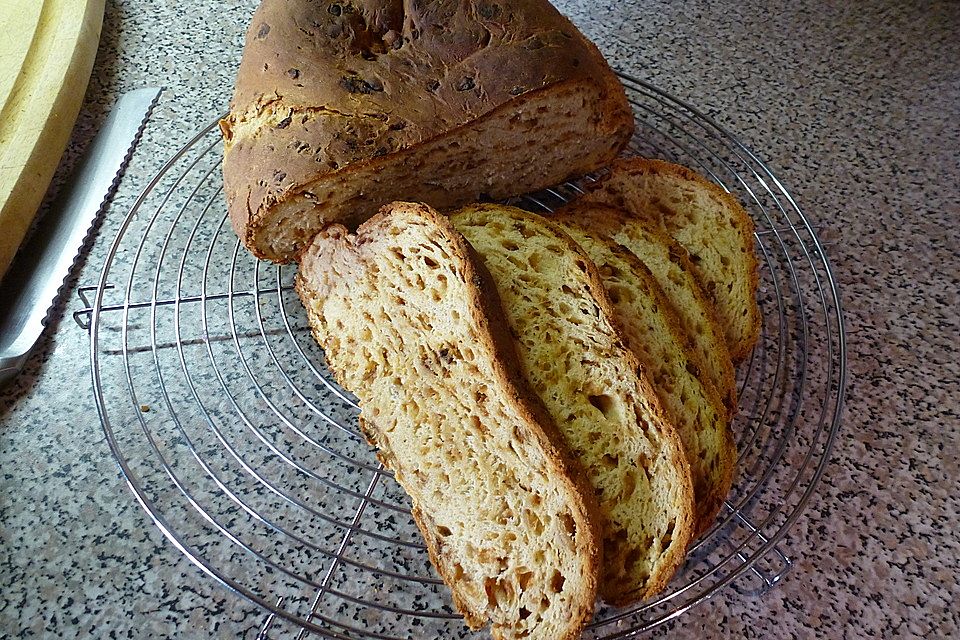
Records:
x=329, y=95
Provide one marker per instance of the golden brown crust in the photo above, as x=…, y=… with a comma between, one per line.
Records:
x=328, y=87
x=488, y=315
x=742, y=224
x=608, y=220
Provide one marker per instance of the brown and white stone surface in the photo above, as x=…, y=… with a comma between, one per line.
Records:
x=855, y=105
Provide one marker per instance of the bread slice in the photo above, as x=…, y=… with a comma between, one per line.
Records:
x=411, y=324
x=574, y=357
x=342, y=107
x=653, y=333
x=709, y=223
x=670, y=265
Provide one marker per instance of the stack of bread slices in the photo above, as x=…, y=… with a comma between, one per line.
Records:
x=553, y=392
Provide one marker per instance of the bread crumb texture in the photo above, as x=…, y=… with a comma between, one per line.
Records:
x=575, y=360
x=710, y=224
x=670, y=265
x=396, y=310
x=654, y=335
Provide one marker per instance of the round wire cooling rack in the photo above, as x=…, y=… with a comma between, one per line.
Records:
x=233, y=437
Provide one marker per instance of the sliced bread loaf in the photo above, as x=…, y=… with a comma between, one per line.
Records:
x=573, y=355
x=709, y=223
x=670, y=265
x=653, y=333
x=411, y=324
x=341, y=107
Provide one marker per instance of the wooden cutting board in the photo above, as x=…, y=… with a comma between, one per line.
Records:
x=46, y=55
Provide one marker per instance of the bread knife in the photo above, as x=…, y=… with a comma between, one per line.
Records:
x=32, y=285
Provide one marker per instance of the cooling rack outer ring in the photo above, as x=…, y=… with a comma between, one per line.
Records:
x=743, y=552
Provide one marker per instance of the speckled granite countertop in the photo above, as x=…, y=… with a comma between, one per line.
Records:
x=855, y=105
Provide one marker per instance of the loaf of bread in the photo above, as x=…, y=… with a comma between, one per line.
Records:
x=671, y=267
x=653, y=333
x=710, y=224
x=574, y=357
x=340, y=107
x=413, y=327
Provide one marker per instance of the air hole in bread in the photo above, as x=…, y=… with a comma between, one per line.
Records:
x=533, y=522
x=629, y=485
x=604, y=403
x=516, y=261
x=667, y=537
x=518, y=435
x=556, y=582
x=498, y=592
x=443, y=531
x=524, y=613
x=610, y=461
x=631, y=558
x=524, y=577
x=430, y=262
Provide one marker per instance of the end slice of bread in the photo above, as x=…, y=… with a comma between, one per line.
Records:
x=671, y=267
x=574, y=356
x=708, y=222
x=653, y=333
x=410, y=323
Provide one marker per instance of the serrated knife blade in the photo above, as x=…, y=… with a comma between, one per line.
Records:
x=32, y=286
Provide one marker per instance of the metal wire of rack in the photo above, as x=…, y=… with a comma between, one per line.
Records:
x=233, y=437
